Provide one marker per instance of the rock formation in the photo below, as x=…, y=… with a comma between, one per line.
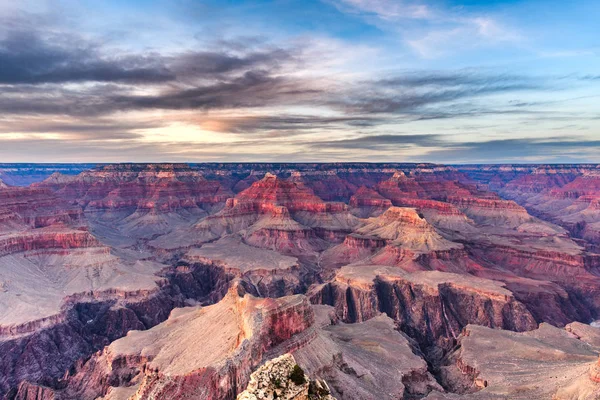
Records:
x=141, y=281
x=282, y=378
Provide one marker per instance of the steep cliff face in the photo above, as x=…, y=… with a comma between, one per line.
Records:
x=262, y=272
x=430, y=306
x=45, y=350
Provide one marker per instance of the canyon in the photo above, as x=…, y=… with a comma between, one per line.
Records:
x=379, y=281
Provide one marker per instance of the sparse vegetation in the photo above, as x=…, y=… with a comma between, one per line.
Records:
x=297, y=375
x=276, y=382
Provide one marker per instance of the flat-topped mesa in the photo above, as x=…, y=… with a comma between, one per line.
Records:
x=271, y=196
x=491, y=204
x=217, y=349
x=46, y=238
x=440, y=207
x=263, y=272
x=285, y=236
x=441, y=303
x=486, y=211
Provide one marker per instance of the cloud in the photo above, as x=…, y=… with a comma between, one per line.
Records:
x=385, y=9
x=282, y=124
x=382, y=142
x=417, y=92
x=27, y=58
x=463, y=33
x=450, y=149
x=434, y=31
x=253, y=89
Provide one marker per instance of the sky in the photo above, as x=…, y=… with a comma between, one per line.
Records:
x=446, y=81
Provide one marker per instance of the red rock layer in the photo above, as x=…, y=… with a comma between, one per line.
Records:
x=46, y=238
x=36, y=207
x=161, y=187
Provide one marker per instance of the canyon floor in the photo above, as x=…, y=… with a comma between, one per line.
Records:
x=379, y=281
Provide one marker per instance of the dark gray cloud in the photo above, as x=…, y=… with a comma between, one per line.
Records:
x=511, y=150
x=414, y=91
x=449, y=148
x=212, y=64
x=466, y=77
x=252, y=89
x=383, y=142
x=80, y=129
x=28, y=58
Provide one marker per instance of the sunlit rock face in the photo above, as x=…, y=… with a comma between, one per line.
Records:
x=383, y=281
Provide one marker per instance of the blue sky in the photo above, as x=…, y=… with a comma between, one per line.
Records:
x=329, y=80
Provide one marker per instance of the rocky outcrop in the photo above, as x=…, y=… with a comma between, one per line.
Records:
x=282, y=378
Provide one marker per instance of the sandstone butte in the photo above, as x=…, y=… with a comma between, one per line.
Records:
x=380, y=281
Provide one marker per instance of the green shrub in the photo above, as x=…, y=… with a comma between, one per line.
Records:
x=297, y=375
x=276, y=382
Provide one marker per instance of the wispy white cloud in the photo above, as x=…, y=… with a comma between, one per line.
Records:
x=385, y=9
x=464, y=34
x=441, y=32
